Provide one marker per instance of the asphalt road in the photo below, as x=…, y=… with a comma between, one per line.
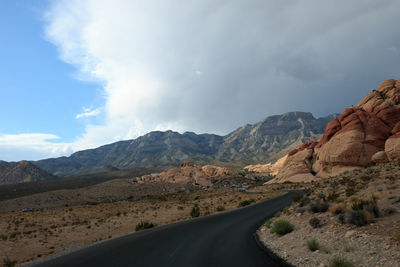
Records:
x=224, y=239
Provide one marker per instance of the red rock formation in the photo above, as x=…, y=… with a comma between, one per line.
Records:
x=188, y=172
x=362, y=135
x=308, y=145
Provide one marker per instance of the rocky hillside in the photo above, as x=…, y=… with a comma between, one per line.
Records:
x=21, y=172
x=362, y=135
x=263, y=141
x=151, y=150
x=191, y=173
x=272, y=137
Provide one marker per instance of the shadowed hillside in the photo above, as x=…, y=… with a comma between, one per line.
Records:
x=252, y=143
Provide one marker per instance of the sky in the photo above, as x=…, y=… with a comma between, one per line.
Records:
x=78, y=74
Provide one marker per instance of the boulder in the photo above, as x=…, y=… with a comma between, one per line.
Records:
x=269, y=168
x=392, y=147
x=379, y=157
x=189, y=172
x=297, y=168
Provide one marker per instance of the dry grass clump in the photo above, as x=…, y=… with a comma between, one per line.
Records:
x=144, y=225
x=312, y=244
x=195, y=212
x=339, y=261
x=338, y=208
x=315, y=222
x=319, y=207
x=397, y=236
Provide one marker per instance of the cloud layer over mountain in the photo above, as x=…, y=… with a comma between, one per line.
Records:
x=211, y=66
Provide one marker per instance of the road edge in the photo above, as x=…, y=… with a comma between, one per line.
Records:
x=278, y=260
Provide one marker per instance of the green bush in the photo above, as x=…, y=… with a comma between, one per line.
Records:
x=341, y=262
x=312, y=244
x=282, y=227
x=144, y=225
x=195, y=212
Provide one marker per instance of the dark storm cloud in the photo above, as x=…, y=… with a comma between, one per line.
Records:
x=221, y=64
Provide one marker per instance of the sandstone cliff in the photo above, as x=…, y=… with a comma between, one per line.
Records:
x=362, y=135
x=192, y=173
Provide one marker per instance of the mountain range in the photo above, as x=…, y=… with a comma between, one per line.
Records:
x=264, y=141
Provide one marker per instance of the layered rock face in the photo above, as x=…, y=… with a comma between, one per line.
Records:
x=362, y=135
x=21, y=172
x=189, y=172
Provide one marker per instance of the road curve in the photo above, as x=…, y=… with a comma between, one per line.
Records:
x=224, y=239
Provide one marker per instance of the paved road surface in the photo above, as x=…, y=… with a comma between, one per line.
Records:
x=224, y=239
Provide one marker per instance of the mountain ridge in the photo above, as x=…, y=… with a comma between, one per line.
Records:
x=264, y=141
x=21, y=171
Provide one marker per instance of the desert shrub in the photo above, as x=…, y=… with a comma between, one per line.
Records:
x=282, y=227
x=144, y=225
x=285, y=210
x=359, y=186
x=268, y=223
x=313, y=244
x=350, y=190
x=332, y=196
x=317, y=207
x=348, y=248
x=9, y=263
x=304, y=201
x=246, y=202
x=340, y=262
x=397, y=236
x=356, y=217
x=367, y=205
x=195, y=212
x=321, y=196
x=315, y=222
x=365, y=178
x=297, y=197
x=220, y=208
x=338, y=208
x=373, y=209
x=390, y=210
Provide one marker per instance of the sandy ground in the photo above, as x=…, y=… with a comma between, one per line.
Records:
x=28, y=236
x=375, y=244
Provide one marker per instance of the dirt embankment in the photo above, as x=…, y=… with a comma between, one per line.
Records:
x=352, y=218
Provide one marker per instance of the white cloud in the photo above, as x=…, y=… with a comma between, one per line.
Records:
x=14, y=147
x=258, y=57
x=88, y=113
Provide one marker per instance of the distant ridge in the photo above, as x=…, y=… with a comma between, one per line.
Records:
x=20, y=172
x=264, y=141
